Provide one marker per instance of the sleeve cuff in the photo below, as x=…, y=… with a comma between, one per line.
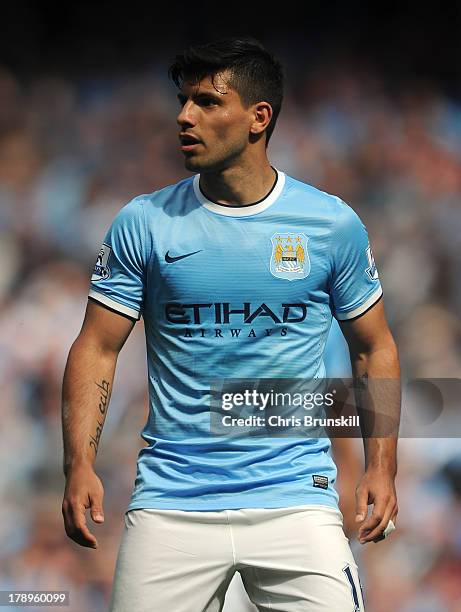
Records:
x=110, y=303
x=367, y=304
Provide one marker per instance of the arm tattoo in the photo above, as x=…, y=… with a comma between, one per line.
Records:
x=104, y=393
x=361, y=382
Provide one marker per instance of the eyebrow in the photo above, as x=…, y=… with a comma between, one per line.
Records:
x=201, y=95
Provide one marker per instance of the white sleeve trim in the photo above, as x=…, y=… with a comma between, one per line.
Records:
x=100, y=297
x=374, y=297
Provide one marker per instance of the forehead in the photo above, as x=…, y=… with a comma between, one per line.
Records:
x=217, y=84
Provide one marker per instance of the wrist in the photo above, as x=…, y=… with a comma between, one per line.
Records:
x=387, y=468
x=77, y=464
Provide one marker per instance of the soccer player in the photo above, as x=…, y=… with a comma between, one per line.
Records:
x=237, y=272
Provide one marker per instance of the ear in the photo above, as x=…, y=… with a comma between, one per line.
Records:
x=262, y=114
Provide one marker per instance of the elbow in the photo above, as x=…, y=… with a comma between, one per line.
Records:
x=87, y=344
x=384, y=354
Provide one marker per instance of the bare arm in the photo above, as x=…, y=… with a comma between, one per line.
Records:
x=374, y=356
x=87, y=387
x=350, y=469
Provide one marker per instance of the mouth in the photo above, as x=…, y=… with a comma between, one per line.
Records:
x=189, y=142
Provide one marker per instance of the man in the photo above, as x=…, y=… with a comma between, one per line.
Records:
x=237, y=272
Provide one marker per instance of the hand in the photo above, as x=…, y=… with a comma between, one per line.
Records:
x=83, y=490
x=376, y=487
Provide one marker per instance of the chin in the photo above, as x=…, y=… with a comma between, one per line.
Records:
x=193, y=164
x=203, y=166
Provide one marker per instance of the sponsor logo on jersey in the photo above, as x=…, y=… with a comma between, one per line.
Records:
x=101, y=269
x=221, y=313
x=371, y=270
x=289, y=258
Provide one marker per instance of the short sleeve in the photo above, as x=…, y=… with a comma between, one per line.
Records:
x=355, y=285
x=118, y=279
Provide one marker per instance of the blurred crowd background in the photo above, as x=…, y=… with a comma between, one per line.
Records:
x=77, y=144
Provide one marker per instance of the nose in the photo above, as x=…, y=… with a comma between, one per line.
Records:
x=186, y=115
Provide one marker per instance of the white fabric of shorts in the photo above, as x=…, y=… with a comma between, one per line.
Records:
x=293, y=559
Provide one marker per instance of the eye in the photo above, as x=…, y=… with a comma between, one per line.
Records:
x=207, y=102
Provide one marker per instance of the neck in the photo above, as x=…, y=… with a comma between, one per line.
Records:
x=239, y=184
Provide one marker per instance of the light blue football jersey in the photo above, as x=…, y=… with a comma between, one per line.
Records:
x=232, y=292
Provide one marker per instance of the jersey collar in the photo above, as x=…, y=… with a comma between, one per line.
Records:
x=241, y=211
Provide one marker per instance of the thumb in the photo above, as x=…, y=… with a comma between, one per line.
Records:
x=97, y=512
x=361, y=504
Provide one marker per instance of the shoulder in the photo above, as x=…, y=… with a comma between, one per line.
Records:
x=311, y=198
x=166, y=194
x=146, y=205
x=167, y=199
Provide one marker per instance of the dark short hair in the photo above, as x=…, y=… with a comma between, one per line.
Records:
x=255, y=73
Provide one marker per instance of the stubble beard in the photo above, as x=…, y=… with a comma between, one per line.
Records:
x=204, y=166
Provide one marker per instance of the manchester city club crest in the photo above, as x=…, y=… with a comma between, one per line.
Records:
x=290, y=259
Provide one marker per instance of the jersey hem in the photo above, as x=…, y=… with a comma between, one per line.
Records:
x=367, y=304
x=210, y=507
x=113, y=304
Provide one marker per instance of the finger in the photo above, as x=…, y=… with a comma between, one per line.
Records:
x=380, y=505
x=386, y=532
x=97, y=512
x=361, y=504
x=84, y=534
x=380, y=513
x=76, y=527
x=377, y=533
x=389, y=529
x=392, y=524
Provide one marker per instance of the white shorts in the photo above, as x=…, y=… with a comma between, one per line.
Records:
x=290, y=559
